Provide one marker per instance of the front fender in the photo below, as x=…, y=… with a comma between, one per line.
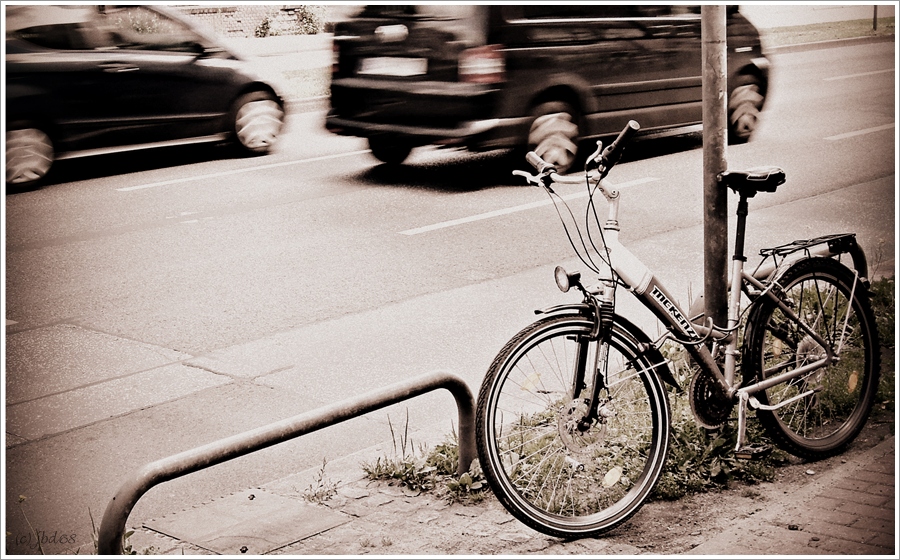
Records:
x=587, y=311
x=580, y=308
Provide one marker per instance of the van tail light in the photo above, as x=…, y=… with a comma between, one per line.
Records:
x=335, y=58
x=482, y=65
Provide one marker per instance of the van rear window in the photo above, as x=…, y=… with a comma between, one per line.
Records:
x=468, y=23
x=598, y=11
x=421, y=12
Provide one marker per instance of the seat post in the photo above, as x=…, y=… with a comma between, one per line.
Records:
x=742, y=211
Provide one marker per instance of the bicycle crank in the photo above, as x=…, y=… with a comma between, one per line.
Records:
x=711, y=407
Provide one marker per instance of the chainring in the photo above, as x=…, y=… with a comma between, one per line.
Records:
x=710, y=405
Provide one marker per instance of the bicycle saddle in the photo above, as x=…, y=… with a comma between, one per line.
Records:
x=751, y=181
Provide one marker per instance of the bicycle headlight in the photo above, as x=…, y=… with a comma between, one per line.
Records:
x=565, y=280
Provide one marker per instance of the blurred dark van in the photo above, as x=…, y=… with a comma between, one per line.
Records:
x=537, y=76
x=84, y=80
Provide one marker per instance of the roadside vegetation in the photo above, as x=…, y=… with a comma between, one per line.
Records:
x=699, y=460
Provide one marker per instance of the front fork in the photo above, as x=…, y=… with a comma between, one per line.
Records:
x=595, y=362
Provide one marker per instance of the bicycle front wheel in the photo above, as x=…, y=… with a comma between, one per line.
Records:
x=823, y=410
x=556, y=477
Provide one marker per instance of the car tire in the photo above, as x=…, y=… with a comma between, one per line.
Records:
x=29, y=156
x=257, y=120
x=744, y=106
x=389, y=149
x=554, y=134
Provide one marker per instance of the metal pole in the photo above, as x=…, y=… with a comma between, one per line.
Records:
x=875, y=18
x=112, y=527
x=715, y=141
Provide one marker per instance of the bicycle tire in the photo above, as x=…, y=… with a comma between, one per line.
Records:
x=821, y=424
x=554, y=480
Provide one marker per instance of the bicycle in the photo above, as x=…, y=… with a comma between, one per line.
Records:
x=573, y=417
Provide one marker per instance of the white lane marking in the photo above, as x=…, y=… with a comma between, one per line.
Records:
x=860, y=132
x=513, y=209
x=851, y=76
x=238, y=171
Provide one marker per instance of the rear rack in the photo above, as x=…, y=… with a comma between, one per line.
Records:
x=837, y=243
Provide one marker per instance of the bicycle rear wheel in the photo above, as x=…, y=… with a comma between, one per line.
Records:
x=836, y=399
x=546, y=472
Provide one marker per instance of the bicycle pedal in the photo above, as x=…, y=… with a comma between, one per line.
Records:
x=753, y=452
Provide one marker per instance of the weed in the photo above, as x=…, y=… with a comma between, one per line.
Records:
x=323, y=489
x=406, y=467
x=469, y=487
x=35, y=533
x=702, y=460
x=425, y=470
x=883, y=305
x=127, y=548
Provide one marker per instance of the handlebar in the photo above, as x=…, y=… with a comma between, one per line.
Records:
x=613, y=153
x=602, y=159
x=539, y=164
x=595, y=170
x=607, y=158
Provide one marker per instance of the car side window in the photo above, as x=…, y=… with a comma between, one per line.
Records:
x=592, y=11
x=59, y=37
x=68, y=28
x=138, y=28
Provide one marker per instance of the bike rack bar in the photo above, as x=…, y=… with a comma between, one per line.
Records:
x=112, y=527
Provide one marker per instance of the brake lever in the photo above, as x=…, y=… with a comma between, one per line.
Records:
x=539, y=180
x=594, y=160
x=528, y=176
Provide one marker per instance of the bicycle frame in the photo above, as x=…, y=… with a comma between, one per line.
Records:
x=650, y=291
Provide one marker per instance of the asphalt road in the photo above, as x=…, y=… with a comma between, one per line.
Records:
x=159, y=301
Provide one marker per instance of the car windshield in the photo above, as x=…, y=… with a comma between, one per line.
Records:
x=98, y=27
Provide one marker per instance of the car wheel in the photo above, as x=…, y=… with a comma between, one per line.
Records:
x=554, y=134
x=389, y=149
x=744, y=106
x=258, y=119
x=29, y=156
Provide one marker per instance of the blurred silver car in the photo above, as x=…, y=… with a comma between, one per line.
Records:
x=84, y=80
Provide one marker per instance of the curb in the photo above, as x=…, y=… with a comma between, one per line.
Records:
x=832, y=43
x=307, y=104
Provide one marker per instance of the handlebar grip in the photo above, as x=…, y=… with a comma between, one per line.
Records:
x=538, y=163
x=613, y=152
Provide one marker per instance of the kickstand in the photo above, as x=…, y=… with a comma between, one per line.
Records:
x=742, y=450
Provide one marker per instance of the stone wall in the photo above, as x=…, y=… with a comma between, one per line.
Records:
x=259, y=20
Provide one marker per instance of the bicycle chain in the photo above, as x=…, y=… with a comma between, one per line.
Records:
x=709, y=404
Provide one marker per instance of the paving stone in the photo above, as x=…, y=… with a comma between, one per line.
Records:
x=252, y=523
